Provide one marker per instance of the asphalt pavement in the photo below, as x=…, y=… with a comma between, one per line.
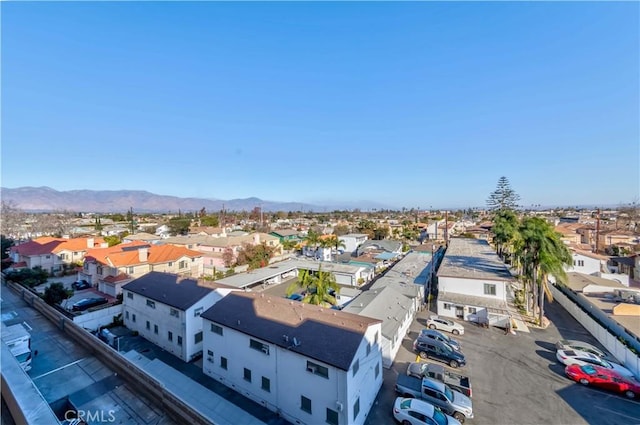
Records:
x=516, y=379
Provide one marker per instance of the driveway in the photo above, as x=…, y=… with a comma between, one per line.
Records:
x=517, y=380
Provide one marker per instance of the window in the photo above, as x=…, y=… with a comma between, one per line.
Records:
x=198, y=311
x=446, y=306
x=47, y=257
x=223, y=362
x=170, y=263
x=99, y=270
x=356, y=408
x=155, y=329
x=356, y=366
x=133, y=318
x=179, y=340
x=174, y=313
x=580, y=263
x=63, y=256
x=170, y=336
x=247, y=375
x=126, y=315
x=332, y=417
x=130, y=295
x=317, y=369
x=257, y=345
x=182, y=264
x=266, y=384
x=375, y=338
x=472, y=310
x=418, y=416
x=489, y=289
x=216, y=329
x=148, y=325
x=130, y=271
x=197, y=338
x=210, y=358
x=377, y=369
x=305, y=404
x=209, y=353
x=368, y=348
x=151, y=304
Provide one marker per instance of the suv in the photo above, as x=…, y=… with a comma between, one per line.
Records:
x=450, y=401
x=429, y=348
x=439, y=336
x=86, y=303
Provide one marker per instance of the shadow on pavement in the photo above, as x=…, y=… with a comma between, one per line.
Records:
x=546, y=345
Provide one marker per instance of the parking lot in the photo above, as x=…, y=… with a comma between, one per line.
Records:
x=516, y=379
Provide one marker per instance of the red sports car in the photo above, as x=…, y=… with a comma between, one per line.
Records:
x=603, y=378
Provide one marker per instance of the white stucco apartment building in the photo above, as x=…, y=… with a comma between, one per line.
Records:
x=310, y=364
x=353, y=240
x=165, y=309
x=473, y=284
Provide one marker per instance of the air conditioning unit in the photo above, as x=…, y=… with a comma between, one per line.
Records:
x=210, y=359
x=265, y=349
x=339, y=406
x=312, y=369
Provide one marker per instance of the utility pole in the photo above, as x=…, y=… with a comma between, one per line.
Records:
x=597, y=229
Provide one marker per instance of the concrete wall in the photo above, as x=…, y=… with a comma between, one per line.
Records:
x=137, y=379
x=97, y=318
x=607, y=336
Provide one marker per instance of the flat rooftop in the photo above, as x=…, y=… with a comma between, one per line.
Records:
x=472, y=259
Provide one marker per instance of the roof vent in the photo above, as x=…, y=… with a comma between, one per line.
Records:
x=296, y=342
x=286, y=338
x=238, y=322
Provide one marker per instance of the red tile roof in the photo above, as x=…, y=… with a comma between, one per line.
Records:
x=128, y=254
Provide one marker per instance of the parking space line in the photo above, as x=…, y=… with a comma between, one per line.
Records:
x=617, y=413
x=57, y=369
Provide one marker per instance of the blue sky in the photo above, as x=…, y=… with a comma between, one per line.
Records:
x=406, y=104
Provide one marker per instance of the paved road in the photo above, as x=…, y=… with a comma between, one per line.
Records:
x=516, y=379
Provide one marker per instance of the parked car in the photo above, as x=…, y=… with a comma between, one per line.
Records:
x=87, y=303
x=295, y=297
x=569, y=357
x=603, y=378
x=572, y=344
x=411, y=411
x=80, y=284
x=429, y=348
x=438, y=372
x=442, y=324
x=439, y=336
x=451, y=402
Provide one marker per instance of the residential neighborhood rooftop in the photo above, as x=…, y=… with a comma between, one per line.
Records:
x=168, y=288
x=472, y=259
x=330, y=336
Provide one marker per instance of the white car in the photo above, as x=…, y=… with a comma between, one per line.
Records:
x=572, y=344
x=442, y=324
x=582, y=358
x=411, y=411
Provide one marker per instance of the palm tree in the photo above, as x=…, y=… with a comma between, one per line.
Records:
x=313, y=239
x=335, y=242
x=318, y=287
x=504, y=229
x=542, y=253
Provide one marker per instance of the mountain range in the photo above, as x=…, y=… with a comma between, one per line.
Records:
x=42, y=199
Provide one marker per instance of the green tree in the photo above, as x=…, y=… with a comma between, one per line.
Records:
x=5, y=245
x=380, y=232
x=113, y=240
x=541, y=253
x=55, y=293
x=210, y=220
x=504, y=197
x=179, y=225
x=318, y=287
x=312, y=239
x=505, y=229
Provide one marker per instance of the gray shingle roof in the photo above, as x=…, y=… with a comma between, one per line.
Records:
x=472, y=259
x=327, y=335
x=168, y=288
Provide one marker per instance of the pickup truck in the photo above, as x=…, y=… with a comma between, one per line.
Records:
x=438, y=372
x=451, y=402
